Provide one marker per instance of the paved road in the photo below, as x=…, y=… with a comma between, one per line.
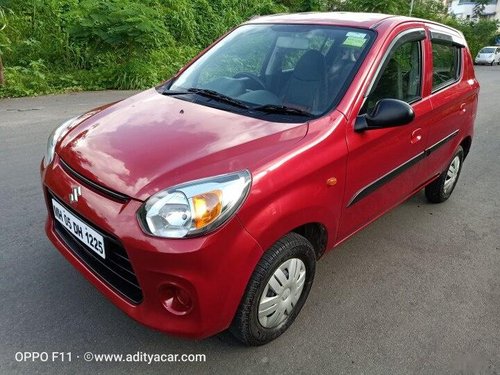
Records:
x=416, y=292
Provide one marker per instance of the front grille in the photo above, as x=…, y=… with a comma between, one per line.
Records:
x=119, y=197
x=116, y=270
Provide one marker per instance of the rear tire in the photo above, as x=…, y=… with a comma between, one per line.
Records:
x=276, y=292
x=440, y=190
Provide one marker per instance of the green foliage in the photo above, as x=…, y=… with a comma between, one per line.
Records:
x=124, y=27
x=55, y=45
x=305, y=5
x=5, y=42
x=200, y=22
x=380, y=6
x=477, y=33
x=110, y=44
x=433, y=10
x=25, y=81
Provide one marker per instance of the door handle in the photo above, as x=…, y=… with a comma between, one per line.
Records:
x=463, y=107
x=416, y=136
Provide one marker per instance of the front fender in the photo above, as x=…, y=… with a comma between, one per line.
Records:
x=292, y=190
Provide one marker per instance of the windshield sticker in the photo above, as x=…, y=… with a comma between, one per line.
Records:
x=356, y=35
x=352, y=41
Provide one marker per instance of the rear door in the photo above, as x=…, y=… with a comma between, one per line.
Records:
x=383, y=165
x=451, y=97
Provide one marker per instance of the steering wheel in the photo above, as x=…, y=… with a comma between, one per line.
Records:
x=257, y=83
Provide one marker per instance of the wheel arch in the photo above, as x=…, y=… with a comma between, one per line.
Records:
x=318, y=229
x=316, y=234
x=466, y=144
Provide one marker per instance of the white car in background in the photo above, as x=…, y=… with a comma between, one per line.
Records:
x=488, y=55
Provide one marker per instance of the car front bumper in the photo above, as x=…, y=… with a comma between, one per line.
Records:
x=483, y=61
x=211, y=271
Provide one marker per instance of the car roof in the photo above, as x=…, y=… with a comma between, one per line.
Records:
x=383, y=23
x=364, y=20
x=348, y=19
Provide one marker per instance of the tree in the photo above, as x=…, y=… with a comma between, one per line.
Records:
x=477, y=33
x=382, y=6
x=4, y=43
x=128, y=28
x=479, y=7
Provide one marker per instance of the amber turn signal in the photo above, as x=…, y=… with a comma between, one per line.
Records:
x=331, y=181
x=207, y=207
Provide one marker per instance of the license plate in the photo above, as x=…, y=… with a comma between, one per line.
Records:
x=88, y=236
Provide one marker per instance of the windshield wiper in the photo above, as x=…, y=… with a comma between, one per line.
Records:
x=282, y=109
x=174, y=92
x=218, y=96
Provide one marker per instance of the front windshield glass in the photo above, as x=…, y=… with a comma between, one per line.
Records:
x=487, y=50
x=302, y=68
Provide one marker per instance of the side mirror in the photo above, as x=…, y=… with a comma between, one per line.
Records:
x=386, y=114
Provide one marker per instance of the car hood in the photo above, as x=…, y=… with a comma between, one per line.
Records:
x=150, y=142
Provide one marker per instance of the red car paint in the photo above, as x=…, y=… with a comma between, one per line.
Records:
x=149, y=142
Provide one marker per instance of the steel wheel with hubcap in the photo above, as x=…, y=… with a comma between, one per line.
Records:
x=276, y=291
x=440, y=190
x=452, y=175
x=282, y=293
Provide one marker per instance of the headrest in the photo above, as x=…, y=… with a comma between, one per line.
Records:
x=310, y=67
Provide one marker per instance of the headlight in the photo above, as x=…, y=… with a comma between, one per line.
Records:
x=52, y=141
x=196, y=207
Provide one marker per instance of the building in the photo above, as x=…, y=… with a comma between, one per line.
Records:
x=464, y=9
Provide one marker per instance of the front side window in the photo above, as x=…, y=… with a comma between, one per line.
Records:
x=446, y=64
x=401, y=77
x=304, y=68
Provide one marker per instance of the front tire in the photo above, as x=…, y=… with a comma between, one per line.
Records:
x=440, y=190
x=276, y=292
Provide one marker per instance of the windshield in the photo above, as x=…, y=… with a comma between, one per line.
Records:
x=295, y=70
x=487, y=50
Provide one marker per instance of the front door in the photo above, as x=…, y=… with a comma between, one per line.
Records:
x=383, y=164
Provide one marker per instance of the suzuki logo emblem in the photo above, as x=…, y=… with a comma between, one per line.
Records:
x=75, y=193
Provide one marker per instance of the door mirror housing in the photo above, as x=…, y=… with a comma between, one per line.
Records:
x=387, y=113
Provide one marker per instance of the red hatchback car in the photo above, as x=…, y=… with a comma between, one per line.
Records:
x=204, y=204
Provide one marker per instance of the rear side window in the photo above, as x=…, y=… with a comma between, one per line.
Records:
x=446, y=64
